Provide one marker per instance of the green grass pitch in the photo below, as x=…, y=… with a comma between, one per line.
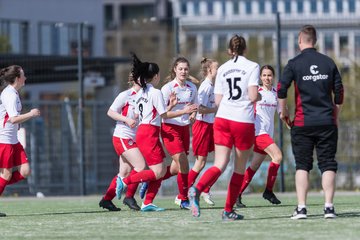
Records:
x=81, y=218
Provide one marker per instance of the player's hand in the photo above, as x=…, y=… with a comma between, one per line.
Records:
x=190, y=108
x=173, y=99
x=130, y=122
x=192, y=117
x=35, y=112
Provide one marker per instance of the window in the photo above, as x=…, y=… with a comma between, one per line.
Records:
x=222, y=44
x=326, y=6
x=236, y=7
x=284, y=47
x=62, y=39
x=223, y=7
x=109, y=17
x=210, y=7
x=352, y=7
x=14, y=36
x=196, y=7
x=344, y=46
x=274, y=6
x=287, y=6
x=262, y=6
x=248, y=9
x=300, y=6
x=313, y=6
x=339, y=6
x=191, y=46
x=357, y=46
x=329, y=44
x=207, y=44
x=183, y=8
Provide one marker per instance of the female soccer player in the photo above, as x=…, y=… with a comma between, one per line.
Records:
x=235, y=94
x=203, y=134
x=14, y=165
x=175, y=132
x=264, y=143
x=130, y=159
x=150, y=107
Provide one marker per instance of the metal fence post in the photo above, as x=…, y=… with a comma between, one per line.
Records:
x=280, y=126
x=81, y=111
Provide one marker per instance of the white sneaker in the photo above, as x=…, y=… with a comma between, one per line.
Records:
x=207, y=198
x=177, y=201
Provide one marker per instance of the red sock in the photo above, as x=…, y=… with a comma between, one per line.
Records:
x=152, y=191
x=3, y=184
x=110, y=192
x=15, y=177
x=192, y=177
x=182, y=180
x=167, y=174
x=272, y=173
x=233, y=191
x=131, y=188
x=249, y=174
x=143, y=176
x=208, y=178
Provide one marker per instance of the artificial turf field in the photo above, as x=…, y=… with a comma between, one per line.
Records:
x=81, y=218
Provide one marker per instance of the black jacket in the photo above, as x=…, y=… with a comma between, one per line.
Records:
x=318, y=87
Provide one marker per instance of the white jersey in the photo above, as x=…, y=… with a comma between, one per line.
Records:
x=232, y=81
x=150, y=105
x=124, y=104
x=265, y=111
x=206, y=98
x=10, y=107
x=185, y=95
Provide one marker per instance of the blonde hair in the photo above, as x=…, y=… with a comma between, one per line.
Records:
x=205, y=66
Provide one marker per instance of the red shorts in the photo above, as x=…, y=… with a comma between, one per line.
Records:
x=123, y=144
x=228, y=133
x=175, y=138
x=261, y=142
x=12, y=155
x=148, y=140
x=203, y=138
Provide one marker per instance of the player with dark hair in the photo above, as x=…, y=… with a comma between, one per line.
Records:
x=235, y=94
x=264, y=144
x=14, y=165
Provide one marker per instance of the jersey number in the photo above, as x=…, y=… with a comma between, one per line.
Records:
x=234, y=86
x=141, y=111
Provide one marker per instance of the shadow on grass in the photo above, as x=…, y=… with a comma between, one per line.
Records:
x=56, y=213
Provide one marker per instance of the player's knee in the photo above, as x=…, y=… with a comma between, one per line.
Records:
x=6, y=174
x=25, y=172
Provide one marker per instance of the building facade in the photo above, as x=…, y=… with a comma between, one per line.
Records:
x=50, y=27
x=206, y=25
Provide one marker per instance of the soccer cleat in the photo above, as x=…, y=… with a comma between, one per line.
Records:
x=120, y=187
x=207, y=198
x=329, y=212
x=131, y=203
x=193, y=195
x=299, y=214
x=151, y=208
x=185, y=204
x=107, y=204
x=270, y=196
x=177, y=201
x=143, y=189
x=239, y=204
x=231, y=216
x=2, y=215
